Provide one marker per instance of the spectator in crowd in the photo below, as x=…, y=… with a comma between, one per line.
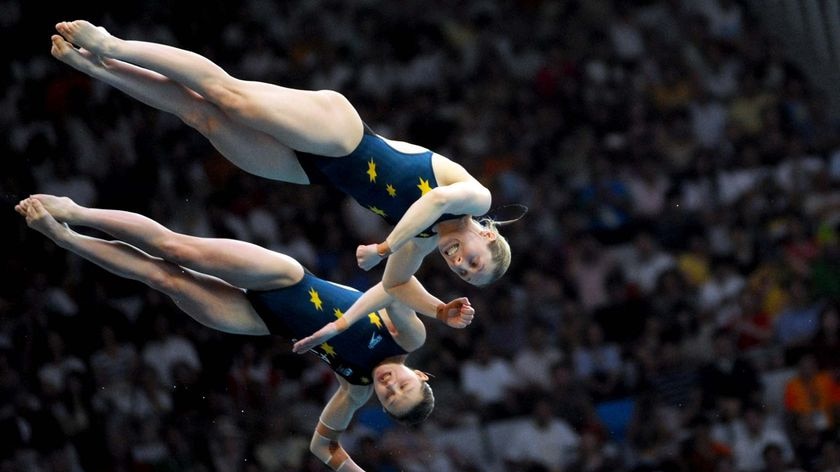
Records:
x=53, y=374
x=490, y=380
x=166, y=349
x=824, y=274
x=798, y=322
x=415, y=452
x=114, y=362
x=589, y=266
x=250, y=377
x=674, y=384
x=592, y=455
x=533, y=363
x=748, y=438
x=723, y=286
x=830, y=459
x=775, y=461
x=544, y=440
x=652, y=435
x=729, y=376
x=598, y=363
x=646, y=263
x=826, y=342
x=812, y=394
x=570, y=397
x=807, y=441
x=625, y=314
x=700, y=451
x=695, y=263
x=752, y=325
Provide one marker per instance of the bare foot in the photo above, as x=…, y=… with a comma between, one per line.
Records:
x=39, y=219
x=62, y=209
x=80, y=59
x=85, y=35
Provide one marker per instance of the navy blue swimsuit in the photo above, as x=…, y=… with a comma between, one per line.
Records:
x=377, y=176
x=298, y=311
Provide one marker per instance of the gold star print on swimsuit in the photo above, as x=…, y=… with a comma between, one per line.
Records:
x=423, y=186
x=371, y=172
x=380, y=176
x=374, y=320
x=299, y=310
x=328, y=350
x=315, y=299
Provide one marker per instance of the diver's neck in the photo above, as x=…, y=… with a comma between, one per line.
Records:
x=448, y=226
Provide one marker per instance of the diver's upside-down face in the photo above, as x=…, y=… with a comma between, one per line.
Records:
x=398, y=388
x=467, y=253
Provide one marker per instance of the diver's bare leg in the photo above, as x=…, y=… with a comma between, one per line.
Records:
x=208, y=300
x=251, y=150
x=239, y=263
x=319, y=122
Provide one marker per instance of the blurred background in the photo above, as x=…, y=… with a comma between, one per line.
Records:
x=672, y=301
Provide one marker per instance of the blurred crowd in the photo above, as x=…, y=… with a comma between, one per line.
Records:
x=672, y=301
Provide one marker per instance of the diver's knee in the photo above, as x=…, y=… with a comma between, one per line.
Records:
x=177, y=252
x=229, y=97
x=345, y=118
x=206, y=119
x=165, y=280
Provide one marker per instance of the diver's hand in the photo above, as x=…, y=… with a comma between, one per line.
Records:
x=458, y=313
x=321, y=336
x=367, y=256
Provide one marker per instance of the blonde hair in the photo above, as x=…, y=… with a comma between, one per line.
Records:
x=499, y=249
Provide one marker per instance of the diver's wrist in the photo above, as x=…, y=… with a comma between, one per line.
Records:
x=383, y=249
